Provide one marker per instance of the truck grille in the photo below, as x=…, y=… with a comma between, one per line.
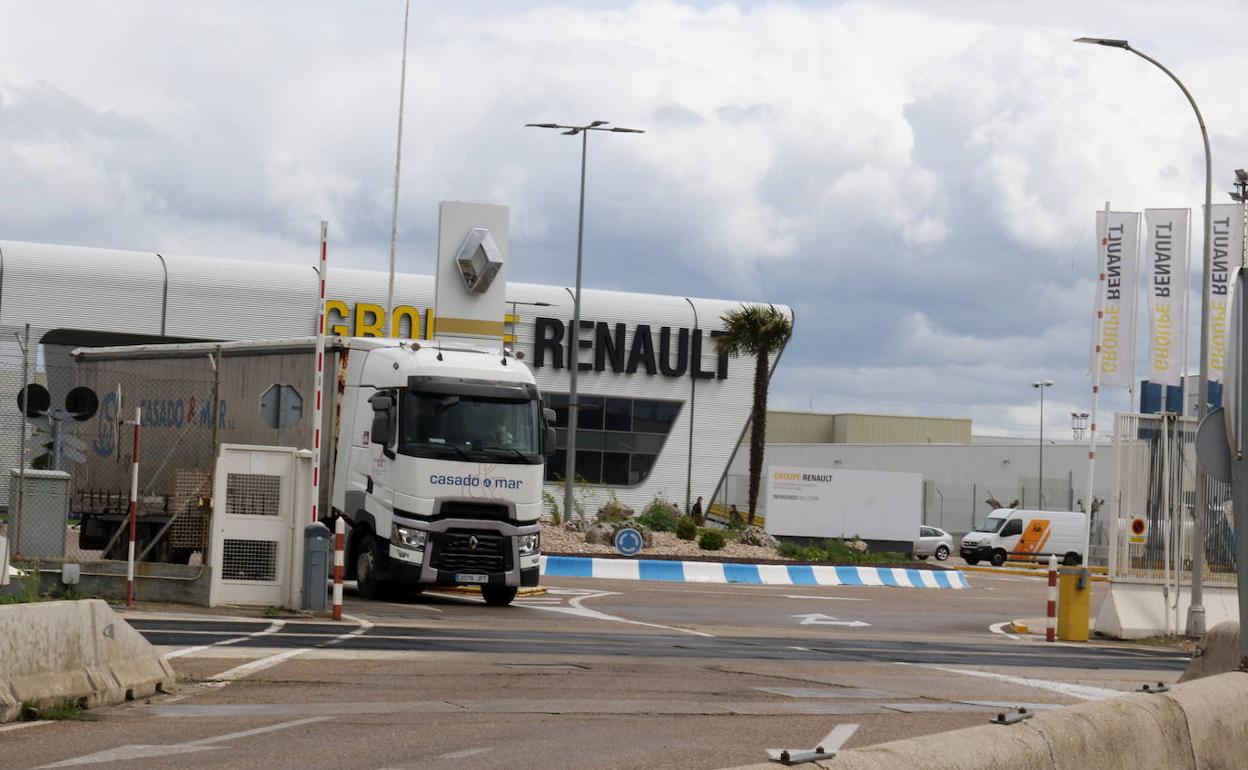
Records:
x=463, y=509
x=471, y=551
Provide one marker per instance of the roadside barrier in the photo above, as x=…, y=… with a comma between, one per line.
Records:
x=340, y=545
x=79, y=651
x=753, y=574
x=1217, y=653
x=1199, y=725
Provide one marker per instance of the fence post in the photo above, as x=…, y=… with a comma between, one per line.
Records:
x=16, y=521
x=134, y=507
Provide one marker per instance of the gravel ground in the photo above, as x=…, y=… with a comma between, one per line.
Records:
x=557, y=540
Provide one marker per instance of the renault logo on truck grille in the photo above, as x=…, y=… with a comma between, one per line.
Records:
x=472, y=543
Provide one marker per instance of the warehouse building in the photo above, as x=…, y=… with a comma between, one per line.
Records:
x=661, y=412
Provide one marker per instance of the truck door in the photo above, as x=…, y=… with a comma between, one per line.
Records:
x=1010, y=534
x=379, y=482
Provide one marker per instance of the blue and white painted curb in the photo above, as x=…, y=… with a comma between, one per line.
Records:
x=753, y=574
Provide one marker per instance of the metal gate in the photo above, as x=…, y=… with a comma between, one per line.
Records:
x=258, y=494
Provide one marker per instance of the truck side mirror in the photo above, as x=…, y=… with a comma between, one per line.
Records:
x=548, y=415
x=549, y=440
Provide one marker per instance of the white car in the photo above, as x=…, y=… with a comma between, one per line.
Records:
x=933, y=542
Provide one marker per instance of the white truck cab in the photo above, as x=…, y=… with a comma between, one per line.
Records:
x=442, y=479
x=1010, y=533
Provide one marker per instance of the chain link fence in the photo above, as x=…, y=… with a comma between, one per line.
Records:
x=1157, y=477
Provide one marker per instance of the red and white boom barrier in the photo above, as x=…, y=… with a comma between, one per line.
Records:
x=134, y=507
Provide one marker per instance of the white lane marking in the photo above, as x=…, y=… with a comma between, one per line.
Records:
x=273, y=628
x=819, y=619
x=123, y=753
x=575, y=608
x=999, y=628
x=829, y=598
x=464, y=753
x=1080, y=691
x=22, y=725
x=425, y=607
x=800, y=649
x=247, y=669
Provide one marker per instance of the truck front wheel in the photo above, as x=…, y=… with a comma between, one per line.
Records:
x=367, y=562
x=498, y=596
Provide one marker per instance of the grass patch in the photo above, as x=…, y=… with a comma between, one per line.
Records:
x=57, y=712
x=28, y=589
x=837, y=552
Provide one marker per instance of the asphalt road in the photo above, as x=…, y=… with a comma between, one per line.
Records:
x=613, y=674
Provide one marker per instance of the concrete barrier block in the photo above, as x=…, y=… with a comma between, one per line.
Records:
x=1216, y=710
x=1130, y=733
x=988, y=747
x=1217, y=653
x=51, y=652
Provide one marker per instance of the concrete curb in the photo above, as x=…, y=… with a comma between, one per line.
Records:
x=1202, y=724
x=1024, y=571
x=752, y=574
x=81, y=651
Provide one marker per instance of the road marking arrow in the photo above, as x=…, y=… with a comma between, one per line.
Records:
x=819, y=619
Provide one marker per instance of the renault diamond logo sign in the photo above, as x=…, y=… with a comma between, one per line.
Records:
x=472, y=543
x=479, y=260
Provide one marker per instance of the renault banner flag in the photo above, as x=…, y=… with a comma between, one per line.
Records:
x=1118, y=253
x=1226, y=254
x=1165, y=265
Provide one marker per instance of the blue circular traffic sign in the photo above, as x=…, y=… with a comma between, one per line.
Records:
x=628, y=541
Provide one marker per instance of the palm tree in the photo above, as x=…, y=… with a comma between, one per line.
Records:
x=756, y=331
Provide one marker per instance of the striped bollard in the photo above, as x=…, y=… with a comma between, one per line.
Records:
x=134, y=508
x=340, y=542
x=1050, y=630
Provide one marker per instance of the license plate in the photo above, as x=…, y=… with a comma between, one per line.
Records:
x=461, y=578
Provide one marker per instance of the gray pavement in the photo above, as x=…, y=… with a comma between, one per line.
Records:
x=612, y=674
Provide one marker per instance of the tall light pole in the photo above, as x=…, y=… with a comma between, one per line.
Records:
x=1041, y=385
x=569, y=475
x=1196, y=611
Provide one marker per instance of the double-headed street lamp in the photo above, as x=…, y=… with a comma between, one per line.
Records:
x=569, y=475
x=1041, y=385
x=1196, y=611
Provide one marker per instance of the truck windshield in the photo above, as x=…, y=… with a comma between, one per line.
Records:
x=990, y=525
x=438, y=425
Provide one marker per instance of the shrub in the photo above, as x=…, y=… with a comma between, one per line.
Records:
x=553, y=505
x=686, y=529
x=711, y=540
x=659, y=516
x=838, y=552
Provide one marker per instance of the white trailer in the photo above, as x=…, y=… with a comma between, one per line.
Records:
x=883, y=508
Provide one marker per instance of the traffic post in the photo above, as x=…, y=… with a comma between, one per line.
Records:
x=134, y=507
x=340, y=542
x=1220, y=445
x=1050, y=628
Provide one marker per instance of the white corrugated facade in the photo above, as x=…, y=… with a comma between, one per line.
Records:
x=77, y=289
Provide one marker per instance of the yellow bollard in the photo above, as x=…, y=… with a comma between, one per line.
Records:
x=1074, y=604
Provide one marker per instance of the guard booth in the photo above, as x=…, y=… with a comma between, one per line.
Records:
x=261, y=504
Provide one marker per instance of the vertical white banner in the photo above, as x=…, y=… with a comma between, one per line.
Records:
x=1228, y=249
x=1166, y=279
x=1119, y=254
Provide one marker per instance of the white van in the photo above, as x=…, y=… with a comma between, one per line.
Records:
x=1009, y=533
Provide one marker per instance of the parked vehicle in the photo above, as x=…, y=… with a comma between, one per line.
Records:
x=933, y=541
x=1010, y=533
x=434, y=453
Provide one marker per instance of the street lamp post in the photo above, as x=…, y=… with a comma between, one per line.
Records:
x=569, y=474
x=1041, y=385
x=515, y=319
x=1240, y=196
x=1196, y=610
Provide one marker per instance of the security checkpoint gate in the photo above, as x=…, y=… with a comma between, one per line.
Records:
x=260, y=495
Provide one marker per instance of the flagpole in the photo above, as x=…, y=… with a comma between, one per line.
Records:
x=398, y=162
x=1102, y=247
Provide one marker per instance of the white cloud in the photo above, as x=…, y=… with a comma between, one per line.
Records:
x=919, y=179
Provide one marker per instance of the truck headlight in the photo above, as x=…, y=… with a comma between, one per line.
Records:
x=409, y=538
x=530, y=544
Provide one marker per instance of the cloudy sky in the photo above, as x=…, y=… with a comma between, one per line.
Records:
x=918, y=180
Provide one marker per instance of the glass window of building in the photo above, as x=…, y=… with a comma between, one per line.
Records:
x=617, y=439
